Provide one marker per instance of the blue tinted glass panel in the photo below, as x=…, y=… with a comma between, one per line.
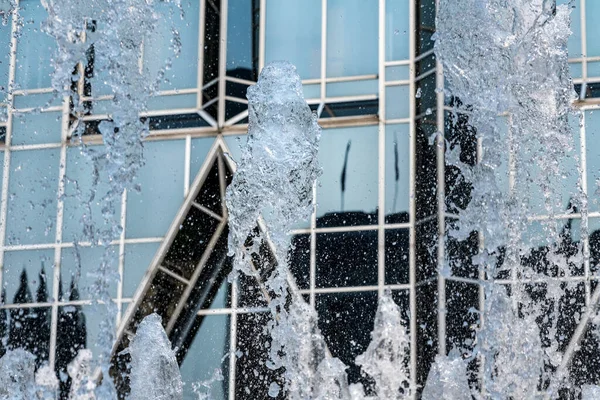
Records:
x=5, y=36
x=37, y=100
x=351, y=51
x=355, y=88
x=592, y=134
x=32, y=200
x=397, y=33
x=574, y=44
x=151, y=211
x=200, y=148
x=234, y=145
x=83, y=201
x=592, y=11
x=397, y=169
x=293, y=33
x=36, y=128
x=79, y=267
x=35, y=48
x=576, y=70
x=205, y=356
x=397, y=102
x=239, y=38
x=158, y=50
x=359, y=181
x=397, y=73
x=171, y=102
x=37, y=266
x=593, y=69
x=312, y=91
x=137, y=260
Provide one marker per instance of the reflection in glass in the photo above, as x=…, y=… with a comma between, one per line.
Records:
x=347, y=191
x=355, y=266
x=397, y=173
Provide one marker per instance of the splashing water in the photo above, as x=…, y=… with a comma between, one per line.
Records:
x=509, y=58
x=115, y=31
x=275, y=178
x=154, y=369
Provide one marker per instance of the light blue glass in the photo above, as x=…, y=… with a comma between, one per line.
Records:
x=239, y=36
x=352, y=51
x=576, y=70
x=35, y=49
x=83, y=202
x=593, y=69
x=312, y=91
x=361, y=170
x=151, y=211
x=5, y=35
x=200, y=148
x=172, y=102
x=137, y=260
x=397, y=73
x=205, y=355
x=574, y=44
x=37, y=100
x=397, y=32
x=32, y=190
x=293, y=33
x=397, y=158
x=234, y=145
x=592, y=136
x=32, y=262
x=397, y=102
x=158, y=49
x=354, y=88
x=592, y=11
x=78, y=265
x=36, y=128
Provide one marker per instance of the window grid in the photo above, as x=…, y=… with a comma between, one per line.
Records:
x=225, y=127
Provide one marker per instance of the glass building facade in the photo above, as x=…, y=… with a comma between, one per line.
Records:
x=385, y=196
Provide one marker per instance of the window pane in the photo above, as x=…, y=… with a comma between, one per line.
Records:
x=83, y=202
x=351, y=51
x=205, y=355
x=35, y=48
x=397, y=172
x=397, y=35
x=297, y=22
x=26, y=274
x=347, y=191
x=240, y=40
x=151, y=211
x=355, y=266
x=32, y=201
x=36, y=128
x=78, y=271
x=183, y=72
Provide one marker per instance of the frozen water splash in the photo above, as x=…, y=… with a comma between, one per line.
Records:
x=386, y=358
x=110, y=34
x=447, y=379
x=278, y=166
x=274, y=179
x=19, y=381
x=80, y=371
x=507, y=69
x=154, y=369
x=512, y=348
